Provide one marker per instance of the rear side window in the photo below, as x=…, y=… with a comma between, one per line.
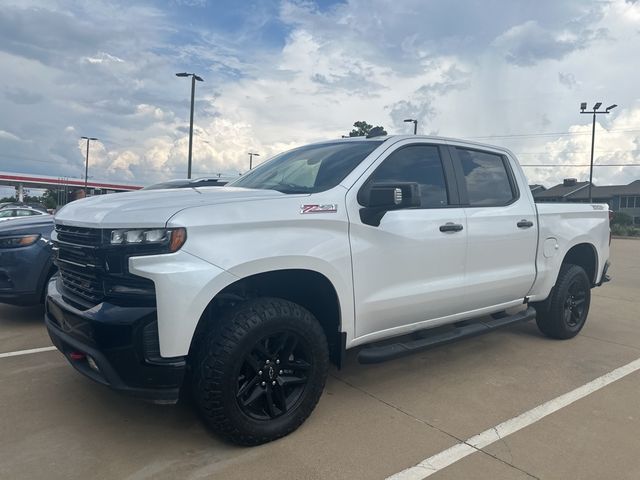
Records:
x=420, y=164
x=486, y=177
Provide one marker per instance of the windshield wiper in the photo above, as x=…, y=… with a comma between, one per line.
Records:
x=291, y=188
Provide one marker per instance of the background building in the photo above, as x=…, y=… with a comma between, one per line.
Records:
x=620, y=198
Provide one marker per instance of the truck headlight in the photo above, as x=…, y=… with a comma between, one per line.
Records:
x=174, y=238
x=19, y=241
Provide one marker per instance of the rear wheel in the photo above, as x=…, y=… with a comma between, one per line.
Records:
x=260, y=370
x=564, y=314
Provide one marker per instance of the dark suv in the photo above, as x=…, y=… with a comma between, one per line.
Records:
x=25, y=259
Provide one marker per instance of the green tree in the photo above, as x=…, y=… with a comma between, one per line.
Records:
x=620, y=218
x=363, y=128
x=50, y=198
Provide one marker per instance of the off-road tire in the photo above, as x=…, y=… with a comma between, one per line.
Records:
x=556, y=317
x=223, y=354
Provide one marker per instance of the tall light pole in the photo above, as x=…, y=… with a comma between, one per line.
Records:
x=86, y=164
x=251, y=155
x=194, y=77
x=415, y=124
x=595, y=112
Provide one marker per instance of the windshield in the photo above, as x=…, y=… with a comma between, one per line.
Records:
x=309, y=169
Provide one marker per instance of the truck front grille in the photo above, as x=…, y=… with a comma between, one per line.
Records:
x=87, y=287
x=79, y=235
x=92, y=271
x=79, y=262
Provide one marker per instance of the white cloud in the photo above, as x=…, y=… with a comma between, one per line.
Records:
x=107, y=70
x=567, y=79
x=9, y=136
x=617, y=141
x=529, y=42
x=103, y=57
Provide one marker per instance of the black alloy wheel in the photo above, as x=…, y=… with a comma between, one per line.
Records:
x=259, y=370
x=575, y=303
x=273, y=376
x=565, y=312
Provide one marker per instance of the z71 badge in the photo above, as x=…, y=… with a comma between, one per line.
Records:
x=325, y=208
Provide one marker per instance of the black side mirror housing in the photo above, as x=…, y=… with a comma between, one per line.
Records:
x=379, y=198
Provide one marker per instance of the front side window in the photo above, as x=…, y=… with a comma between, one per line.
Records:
x=309, y=169
x=486, y=177
x=420, y=164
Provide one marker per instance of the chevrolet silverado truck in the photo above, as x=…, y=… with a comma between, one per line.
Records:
x=246, y=293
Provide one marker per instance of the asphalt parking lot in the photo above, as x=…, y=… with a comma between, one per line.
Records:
x=373, y=421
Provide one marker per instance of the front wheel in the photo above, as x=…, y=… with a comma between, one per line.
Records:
x=260, y=370
x=564, y=314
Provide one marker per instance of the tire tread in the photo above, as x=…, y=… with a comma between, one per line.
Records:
x=214, y=354
x=549, y=314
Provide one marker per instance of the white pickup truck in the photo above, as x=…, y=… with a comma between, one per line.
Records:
x=247, y=292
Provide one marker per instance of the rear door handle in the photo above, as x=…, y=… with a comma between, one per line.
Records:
x=525, y=223
x=450, y=227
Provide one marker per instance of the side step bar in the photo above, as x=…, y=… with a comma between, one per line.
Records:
x=382, y=353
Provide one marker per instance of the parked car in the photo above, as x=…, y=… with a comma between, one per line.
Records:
x=34, y=205
x=25, y=259
x=187, y=183
x=12, y=212
x=255, y=287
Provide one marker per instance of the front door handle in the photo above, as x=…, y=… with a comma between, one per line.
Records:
x=450, y=227
x=525, y=223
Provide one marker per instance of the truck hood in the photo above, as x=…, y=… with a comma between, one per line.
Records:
x=151, y=208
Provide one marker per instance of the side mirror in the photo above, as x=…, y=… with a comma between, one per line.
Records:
x=379, y=198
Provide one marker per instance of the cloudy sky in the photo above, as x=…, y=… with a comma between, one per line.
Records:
x=282, y=73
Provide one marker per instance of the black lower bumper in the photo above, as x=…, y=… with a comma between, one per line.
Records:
x=115, y=346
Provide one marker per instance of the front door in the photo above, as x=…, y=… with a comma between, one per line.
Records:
x=409, y=269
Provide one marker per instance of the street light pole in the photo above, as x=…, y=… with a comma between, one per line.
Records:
x=86, y=164
x=251, y=155
x=194, y=77
x=595, y=111
x=415, y=124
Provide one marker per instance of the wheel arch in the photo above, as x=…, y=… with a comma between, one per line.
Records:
x=308, y=288
x=584, y=255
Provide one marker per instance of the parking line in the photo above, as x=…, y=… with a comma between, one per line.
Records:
x=437, y=462
x=26, y=352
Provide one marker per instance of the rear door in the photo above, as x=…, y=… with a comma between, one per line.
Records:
x=501, y=227
x=406, y=270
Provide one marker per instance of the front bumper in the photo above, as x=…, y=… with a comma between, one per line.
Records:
x=115, y=346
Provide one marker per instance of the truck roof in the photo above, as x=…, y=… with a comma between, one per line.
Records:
x=383, y=138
